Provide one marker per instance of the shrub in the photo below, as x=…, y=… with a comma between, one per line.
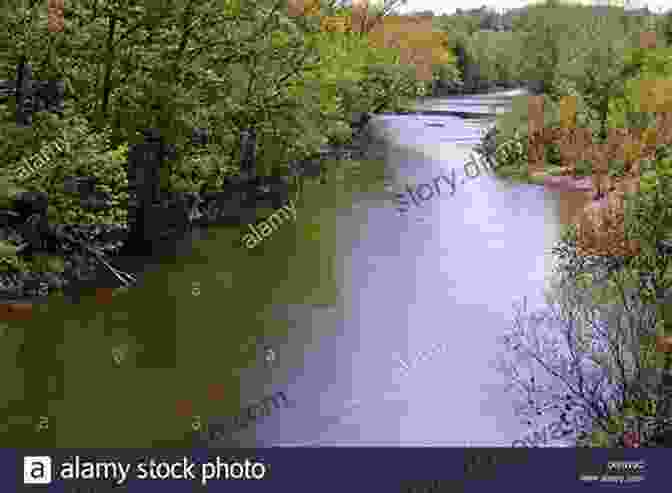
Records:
x=585, y=351
x=86, y=154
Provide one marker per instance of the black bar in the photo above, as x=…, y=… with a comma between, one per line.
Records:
x=24, y=94
x=33, y=96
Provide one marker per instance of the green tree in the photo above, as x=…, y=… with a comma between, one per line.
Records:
x=541, y=52
x=227, y=66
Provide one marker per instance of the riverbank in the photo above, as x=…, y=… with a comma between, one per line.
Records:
x=80, y=269
x=74, y=267
x=484, y=87
x=388, y=283
x=71, y=266
x=197, y=316
x=601, y=237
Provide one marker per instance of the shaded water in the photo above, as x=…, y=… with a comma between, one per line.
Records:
x=341, y=296
x=196, y=318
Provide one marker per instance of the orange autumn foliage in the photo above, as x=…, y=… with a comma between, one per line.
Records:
x=16, y=311
x=104, y=295
x=414, y=36
x=600, y=227
x=302, y=7
x=418, y=43
x=664, y=344
x=55, y=22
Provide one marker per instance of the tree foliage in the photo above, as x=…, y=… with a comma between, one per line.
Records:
x=227, y=66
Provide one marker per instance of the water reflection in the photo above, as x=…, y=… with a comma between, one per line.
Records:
x=339, y=296
x=446, y=277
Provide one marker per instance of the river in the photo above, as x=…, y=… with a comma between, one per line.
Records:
x=340, y=297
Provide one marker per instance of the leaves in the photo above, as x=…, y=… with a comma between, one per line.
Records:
x=9, y=190
x=221, y=65
x=119, y=353
x=7, y=249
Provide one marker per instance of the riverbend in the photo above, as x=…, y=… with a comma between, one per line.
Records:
x=335, y=295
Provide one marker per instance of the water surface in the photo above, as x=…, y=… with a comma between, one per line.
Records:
x=341, y=296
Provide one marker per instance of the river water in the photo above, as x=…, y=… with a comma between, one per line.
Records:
x=433, y=288
x=340, y=296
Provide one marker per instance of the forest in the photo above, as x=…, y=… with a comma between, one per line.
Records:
x=274, y=67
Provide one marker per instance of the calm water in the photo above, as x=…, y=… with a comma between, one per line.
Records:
x=341, y=296
x=441, y=281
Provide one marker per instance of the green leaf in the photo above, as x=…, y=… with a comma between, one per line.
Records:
x=7, y=249
x=9, y=190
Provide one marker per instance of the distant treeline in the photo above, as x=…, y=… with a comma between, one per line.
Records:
x=492, y=47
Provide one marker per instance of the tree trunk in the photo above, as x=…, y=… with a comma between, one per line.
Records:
x=109, y=61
